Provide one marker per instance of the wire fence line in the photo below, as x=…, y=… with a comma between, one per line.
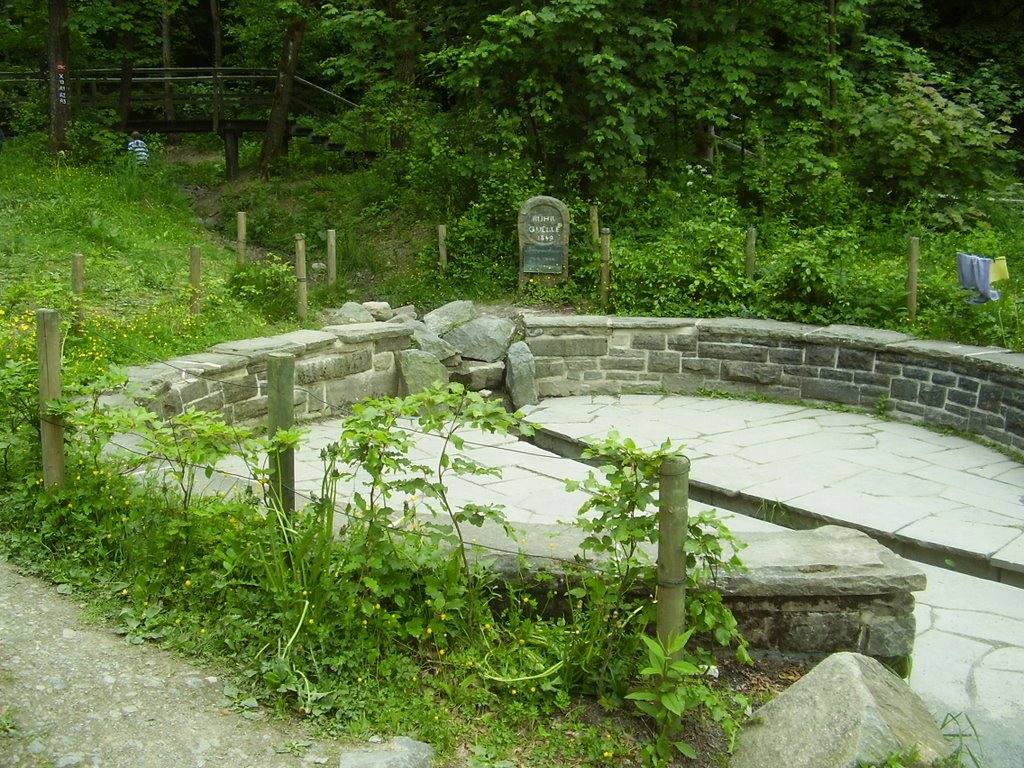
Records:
x=342, y=510
x=331, y=406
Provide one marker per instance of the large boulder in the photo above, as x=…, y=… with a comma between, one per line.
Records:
x=521, y=375
x=400, y=752
x=380, y=310
x=429, y=341
x=485, y=339
x=449, y=316
x=476, y=376
x=418, y=370
x=846, y=712
x=349, y=312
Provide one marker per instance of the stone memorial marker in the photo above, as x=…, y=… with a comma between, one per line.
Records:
x=543, y=238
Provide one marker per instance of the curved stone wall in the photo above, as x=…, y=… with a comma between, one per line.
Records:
x=969, y=389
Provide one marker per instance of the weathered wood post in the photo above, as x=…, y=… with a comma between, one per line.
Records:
x=672, y=524
x=240, y=235
x=51, y=426
x=914, y=257
x=78, y=288
x=281, y=415
x=606, y=257
x=442, y=246
x=195, y=280
x=332, y=257
x=300, y=276
x=751, y=253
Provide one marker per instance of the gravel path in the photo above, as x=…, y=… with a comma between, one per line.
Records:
x=74, y=694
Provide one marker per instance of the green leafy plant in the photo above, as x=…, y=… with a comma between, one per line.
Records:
x=675, y=686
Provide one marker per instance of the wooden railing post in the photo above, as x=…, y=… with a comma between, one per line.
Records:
x=442, y=246
x=240, y=236
x=751, y=252
x=281, y=415
x=914, y=258
x=78, y=288
x=300, y=276
x=195, y=279
x=606, y=255
x=673, y=492
x=332, y=257
x=51, y=426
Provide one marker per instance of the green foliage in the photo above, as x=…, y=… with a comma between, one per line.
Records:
x=333, y=609
x=693, y=270
x=675, y=686
x=266, y=286
x=916, y=141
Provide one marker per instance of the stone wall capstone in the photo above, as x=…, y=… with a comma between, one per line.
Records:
x=969, y=389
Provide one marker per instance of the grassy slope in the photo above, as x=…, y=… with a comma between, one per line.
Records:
x=135, y=228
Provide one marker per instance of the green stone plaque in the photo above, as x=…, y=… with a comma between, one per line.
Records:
x=546, y=259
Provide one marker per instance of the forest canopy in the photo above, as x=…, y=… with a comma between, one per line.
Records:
x=902, y=97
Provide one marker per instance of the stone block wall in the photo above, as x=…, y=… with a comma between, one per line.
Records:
x=971, y=389
x=336, y=366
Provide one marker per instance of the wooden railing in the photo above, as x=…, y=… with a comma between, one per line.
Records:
x=205, y=99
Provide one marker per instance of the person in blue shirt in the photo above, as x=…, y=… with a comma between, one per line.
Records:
x=137, y=147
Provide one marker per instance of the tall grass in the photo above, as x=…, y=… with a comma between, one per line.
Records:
x=135, y=229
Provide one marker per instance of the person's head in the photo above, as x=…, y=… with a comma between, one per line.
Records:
x=136, y=135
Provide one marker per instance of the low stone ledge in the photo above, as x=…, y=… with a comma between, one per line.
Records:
x=361, y=333
x=805, y=593
x=260, y=348
x=855, y=336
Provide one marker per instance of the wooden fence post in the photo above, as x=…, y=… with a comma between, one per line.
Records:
x=606, y=255
x=751, y=252
x=195, y=279
x=78, y=288
x=281, y=415
x=332, y=257
x=300, y=276
x=51, y=426
x=915, y=255
x=442, y=246
x=673, y=492
x=240, y=236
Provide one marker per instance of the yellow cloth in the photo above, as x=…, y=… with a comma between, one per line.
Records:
x=999, y=270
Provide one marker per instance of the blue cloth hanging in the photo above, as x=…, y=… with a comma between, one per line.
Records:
x=975, y=273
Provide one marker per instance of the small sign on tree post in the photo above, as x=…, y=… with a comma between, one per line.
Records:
x=543, y=239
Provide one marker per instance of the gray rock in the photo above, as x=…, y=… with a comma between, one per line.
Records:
x=381, y=311
x=475, y=376
x=451, y=315
x=418, y=370
x=400, y=752
x=349, y=312
x=429, y=341
x=521, y=375
x=486, y=338
x=846, y=712
x=403, y=313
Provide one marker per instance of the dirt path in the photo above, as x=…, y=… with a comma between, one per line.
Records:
x=74, y=694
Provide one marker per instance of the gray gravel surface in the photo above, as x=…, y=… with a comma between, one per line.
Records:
x=75, y=694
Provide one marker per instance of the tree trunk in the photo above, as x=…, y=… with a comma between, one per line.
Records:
x=165, y=58
x=60, y=47
x=277, y=124
x=218, y=55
